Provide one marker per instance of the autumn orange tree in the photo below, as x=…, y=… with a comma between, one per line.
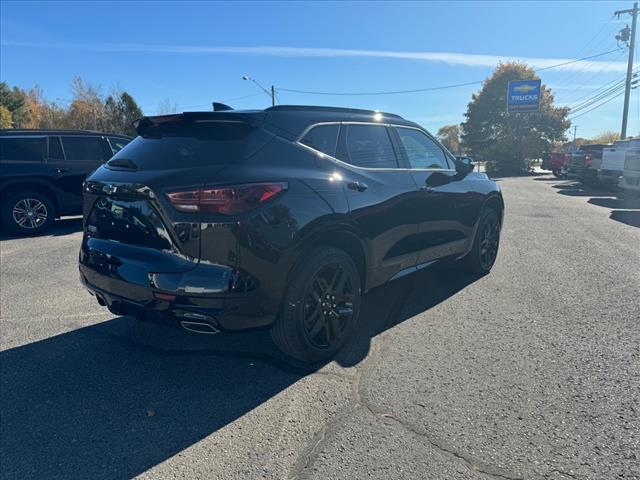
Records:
x=508, y=141
x=86, y=110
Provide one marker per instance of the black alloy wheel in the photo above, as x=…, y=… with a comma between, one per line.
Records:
x=489, y=240
x=321, y=306
x=486, y=243
x=328, y=305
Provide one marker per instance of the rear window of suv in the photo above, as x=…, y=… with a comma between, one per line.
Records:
x=207, y=143
x=23, y=149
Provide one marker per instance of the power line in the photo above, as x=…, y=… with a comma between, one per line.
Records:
x=603, y=87
x=579, y=60
x=614, y=89
x=604, y=25
x=242, y=97
x=564, y=76
x=443, y=87
x=597, y=106
x=383, y=93
x=587, y=81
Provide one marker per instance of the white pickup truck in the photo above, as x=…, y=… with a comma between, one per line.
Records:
x=613, y=158
x=630, y=181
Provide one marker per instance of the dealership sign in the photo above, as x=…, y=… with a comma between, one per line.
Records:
x=523, y=96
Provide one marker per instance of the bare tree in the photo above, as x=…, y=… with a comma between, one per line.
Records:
x=166, y=107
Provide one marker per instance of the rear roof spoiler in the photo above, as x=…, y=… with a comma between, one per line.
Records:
x=146, y=124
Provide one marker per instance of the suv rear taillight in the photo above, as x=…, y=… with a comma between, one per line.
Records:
x=227, y=199
x=587, y=160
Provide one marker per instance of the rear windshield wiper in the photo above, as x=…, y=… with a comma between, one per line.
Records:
x=122, y=163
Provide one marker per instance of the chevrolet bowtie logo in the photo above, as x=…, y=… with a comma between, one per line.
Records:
x=524, y=88
x=109, y=189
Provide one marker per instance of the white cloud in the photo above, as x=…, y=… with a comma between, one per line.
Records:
x=449, y=58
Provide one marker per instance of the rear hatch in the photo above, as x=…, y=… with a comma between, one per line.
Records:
x=131, y=229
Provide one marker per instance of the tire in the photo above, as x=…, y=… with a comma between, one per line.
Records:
x=320, y=308
x=479, y=261
x=27, y=213
x=559, y=173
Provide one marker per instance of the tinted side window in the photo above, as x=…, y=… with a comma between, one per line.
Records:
x=85, y=149
x=422, y=152
x=55, y=149
x=23, y=149
x=369, y=146
x=117, y=143
x=322, y=138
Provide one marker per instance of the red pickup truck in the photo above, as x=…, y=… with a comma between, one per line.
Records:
x=558, y=163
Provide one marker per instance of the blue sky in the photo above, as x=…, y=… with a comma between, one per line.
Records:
x=194, y=53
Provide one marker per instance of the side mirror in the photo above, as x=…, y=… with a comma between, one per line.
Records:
x=464, y=166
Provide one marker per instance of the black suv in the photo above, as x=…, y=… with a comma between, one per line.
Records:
x=41, y=173
x=232, y=220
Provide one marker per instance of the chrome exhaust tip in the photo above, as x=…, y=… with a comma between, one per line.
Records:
x=199, y=327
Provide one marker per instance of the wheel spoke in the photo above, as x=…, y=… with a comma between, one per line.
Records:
x=334, y=324
x=314, y=294
x=318, y=326
x=346, y=311
x=327, y=333
x=339, y=287
x=314, y=319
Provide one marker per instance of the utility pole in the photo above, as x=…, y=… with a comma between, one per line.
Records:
x=273, y=96
x=575, y=128
x=632, y=42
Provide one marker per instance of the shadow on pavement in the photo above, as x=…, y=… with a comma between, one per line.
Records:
x=619, y=203
x=577, y=189
x=114, y=399
x=62, y=226
x=629, y=217
x=500, y=176
x=547, y=177
x=624, y=209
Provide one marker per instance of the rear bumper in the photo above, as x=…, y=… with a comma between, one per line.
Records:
x=609, y=176
x=630, y=183
x=181, y=299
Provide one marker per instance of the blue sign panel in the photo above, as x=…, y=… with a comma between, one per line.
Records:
x=523, y=96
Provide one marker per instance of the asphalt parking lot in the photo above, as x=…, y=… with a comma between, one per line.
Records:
x=530, y=372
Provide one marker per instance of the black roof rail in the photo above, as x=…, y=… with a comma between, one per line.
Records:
x=313, y=108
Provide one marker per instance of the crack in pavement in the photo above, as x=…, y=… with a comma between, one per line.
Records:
x=311, y=454
x=471, y=464
x=358, y=401
x=562, y=472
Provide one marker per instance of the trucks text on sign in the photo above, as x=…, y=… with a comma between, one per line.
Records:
x=523, y=96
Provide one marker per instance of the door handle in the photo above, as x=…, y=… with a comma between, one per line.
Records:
x=60, y=170
x=359, y=186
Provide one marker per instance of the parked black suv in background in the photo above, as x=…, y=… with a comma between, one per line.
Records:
x=238, y=219
x=41, y=174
